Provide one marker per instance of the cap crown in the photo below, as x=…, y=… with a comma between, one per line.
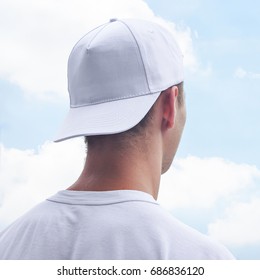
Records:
x=123, y=59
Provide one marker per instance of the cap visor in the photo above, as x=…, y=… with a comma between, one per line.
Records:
x=106, y=118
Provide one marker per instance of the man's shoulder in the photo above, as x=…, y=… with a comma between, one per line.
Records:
x=189, y=243
x=138, y=222
x=180, y=240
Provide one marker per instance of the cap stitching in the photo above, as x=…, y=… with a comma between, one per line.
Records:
x=105, y=25
x=114, y=99
x=100, y=26
x=138, y=50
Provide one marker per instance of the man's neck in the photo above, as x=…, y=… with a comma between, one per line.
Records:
x=109, y=169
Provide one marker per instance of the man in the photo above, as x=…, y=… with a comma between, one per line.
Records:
x=125, y=80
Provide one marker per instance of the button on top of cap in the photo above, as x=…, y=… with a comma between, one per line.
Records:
x=113, y=19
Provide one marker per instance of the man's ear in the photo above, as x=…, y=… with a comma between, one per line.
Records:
x=169, y=107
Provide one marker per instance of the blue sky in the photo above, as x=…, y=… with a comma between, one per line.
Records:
x=223, y=108
x=221, y=40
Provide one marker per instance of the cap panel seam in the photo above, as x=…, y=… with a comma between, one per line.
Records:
x=140, y=53
x=92, y=30
x=101, y=29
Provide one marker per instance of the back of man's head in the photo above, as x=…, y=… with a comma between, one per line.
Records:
x=116, y=72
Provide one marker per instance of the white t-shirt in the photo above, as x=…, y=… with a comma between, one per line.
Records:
x=120, y=224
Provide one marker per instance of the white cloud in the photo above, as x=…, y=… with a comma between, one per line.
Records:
x=214, y=184
x=184, y=35
x=28, y=177
x=37, y=37
x=220, y=187
x=200, y=182
x=242, y=73
x=240, y=226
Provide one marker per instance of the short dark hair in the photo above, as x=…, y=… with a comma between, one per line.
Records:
x=137, y=129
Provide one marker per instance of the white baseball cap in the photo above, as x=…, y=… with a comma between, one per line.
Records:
x=116, y=72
